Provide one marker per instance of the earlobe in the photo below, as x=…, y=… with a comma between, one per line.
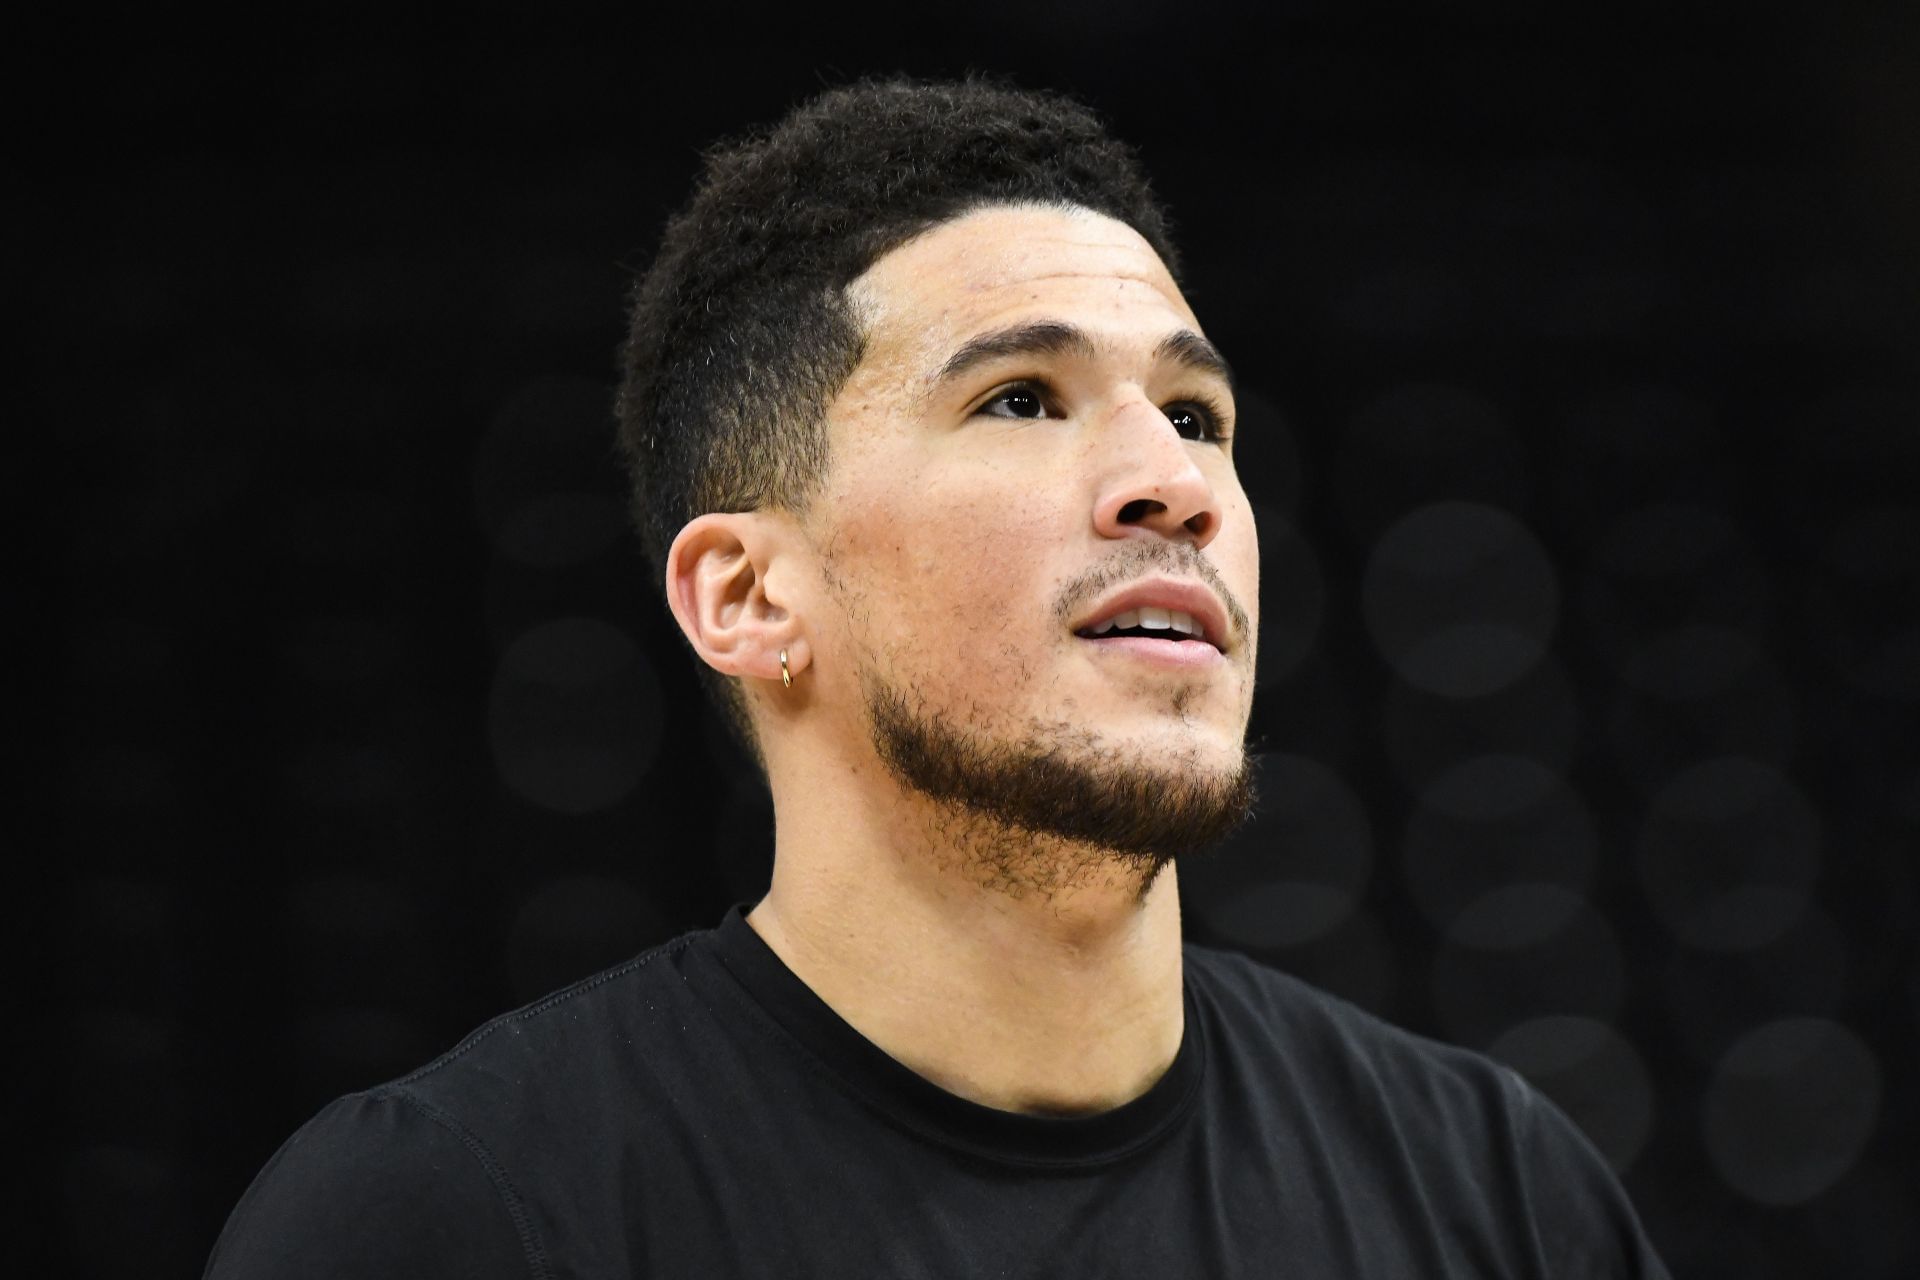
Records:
x=719, y=572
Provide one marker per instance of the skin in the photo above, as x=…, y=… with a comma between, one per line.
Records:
x=1022, y=971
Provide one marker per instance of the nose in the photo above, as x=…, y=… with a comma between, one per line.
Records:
x=1152, y=481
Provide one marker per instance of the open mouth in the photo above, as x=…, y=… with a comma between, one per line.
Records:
x=1148, y=623
x=1161, y=620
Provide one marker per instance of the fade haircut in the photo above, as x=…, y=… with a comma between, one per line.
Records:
x=742, y=332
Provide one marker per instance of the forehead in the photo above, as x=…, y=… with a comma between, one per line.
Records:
x=998, y=265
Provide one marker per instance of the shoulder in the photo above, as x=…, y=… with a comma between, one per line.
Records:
x=376, y=1185
x=588, y=1038
x=432, y=1174
x=1441, y=1114
x=1265, y=1011
x=1426, y=1113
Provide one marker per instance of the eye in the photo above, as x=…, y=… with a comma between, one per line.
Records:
x=1021, y=400
x=1196, y=420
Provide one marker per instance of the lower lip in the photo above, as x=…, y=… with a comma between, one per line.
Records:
x=1182, y=655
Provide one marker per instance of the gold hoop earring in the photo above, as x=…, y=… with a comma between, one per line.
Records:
x=786, y=676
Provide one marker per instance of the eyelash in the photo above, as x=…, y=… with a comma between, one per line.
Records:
x=1210, y=409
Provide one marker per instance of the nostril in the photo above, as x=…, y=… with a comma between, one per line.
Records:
x=1139, y=509
x=1199, y=524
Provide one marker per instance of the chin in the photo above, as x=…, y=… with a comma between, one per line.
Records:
x=1151, y=741
x=1158, y=792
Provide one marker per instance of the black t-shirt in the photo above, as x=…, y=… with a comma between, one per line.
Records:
x=698, y=1111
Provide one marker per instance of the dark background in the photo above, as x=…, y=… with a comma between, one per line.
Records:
x=1580, y=413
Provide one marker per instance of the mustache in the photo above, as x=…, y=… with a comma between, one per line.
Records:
x=1139, y=558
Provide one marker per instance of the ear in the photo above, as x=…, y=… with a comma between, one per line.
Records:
x=720, y=572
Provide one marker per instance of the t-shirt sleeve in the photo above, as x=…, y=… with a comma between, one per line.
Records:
x=376, y=1185
x=1588, y=1229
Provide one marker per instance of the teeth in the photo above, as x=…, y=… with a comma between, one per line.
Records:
x=1151, y=619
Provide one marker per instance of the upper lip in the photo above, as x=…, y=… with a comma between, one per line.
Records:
x=1173, y=594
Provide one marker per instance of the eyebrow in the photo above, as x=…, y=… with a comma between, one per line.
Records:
x=1185, y=347
x=1057, y=337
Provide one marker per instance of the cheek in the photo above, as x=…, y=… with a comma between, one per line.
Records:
x=1237, y=553
x=951, y=569
x=947, y=521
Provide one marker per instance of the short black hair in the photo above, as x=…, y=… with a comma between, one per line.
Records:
x=741, y=332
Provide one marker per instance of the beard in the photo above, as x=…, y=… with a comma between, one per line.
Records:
x=1054, y=807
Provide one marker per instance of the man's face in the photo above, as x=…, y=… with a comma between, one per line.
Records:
x=1032, y=460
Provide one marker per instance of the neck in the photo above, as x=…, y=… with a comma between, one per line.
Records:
x=1020, y=972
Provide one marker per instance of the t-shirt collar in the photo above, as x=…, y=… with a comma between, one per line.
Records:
x=918, y=1104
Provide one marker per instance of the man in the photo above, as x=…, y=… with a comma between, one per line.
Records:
x=938, y=465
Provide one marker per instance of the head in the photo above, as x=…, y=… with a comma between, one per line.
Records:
x=927, y=344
